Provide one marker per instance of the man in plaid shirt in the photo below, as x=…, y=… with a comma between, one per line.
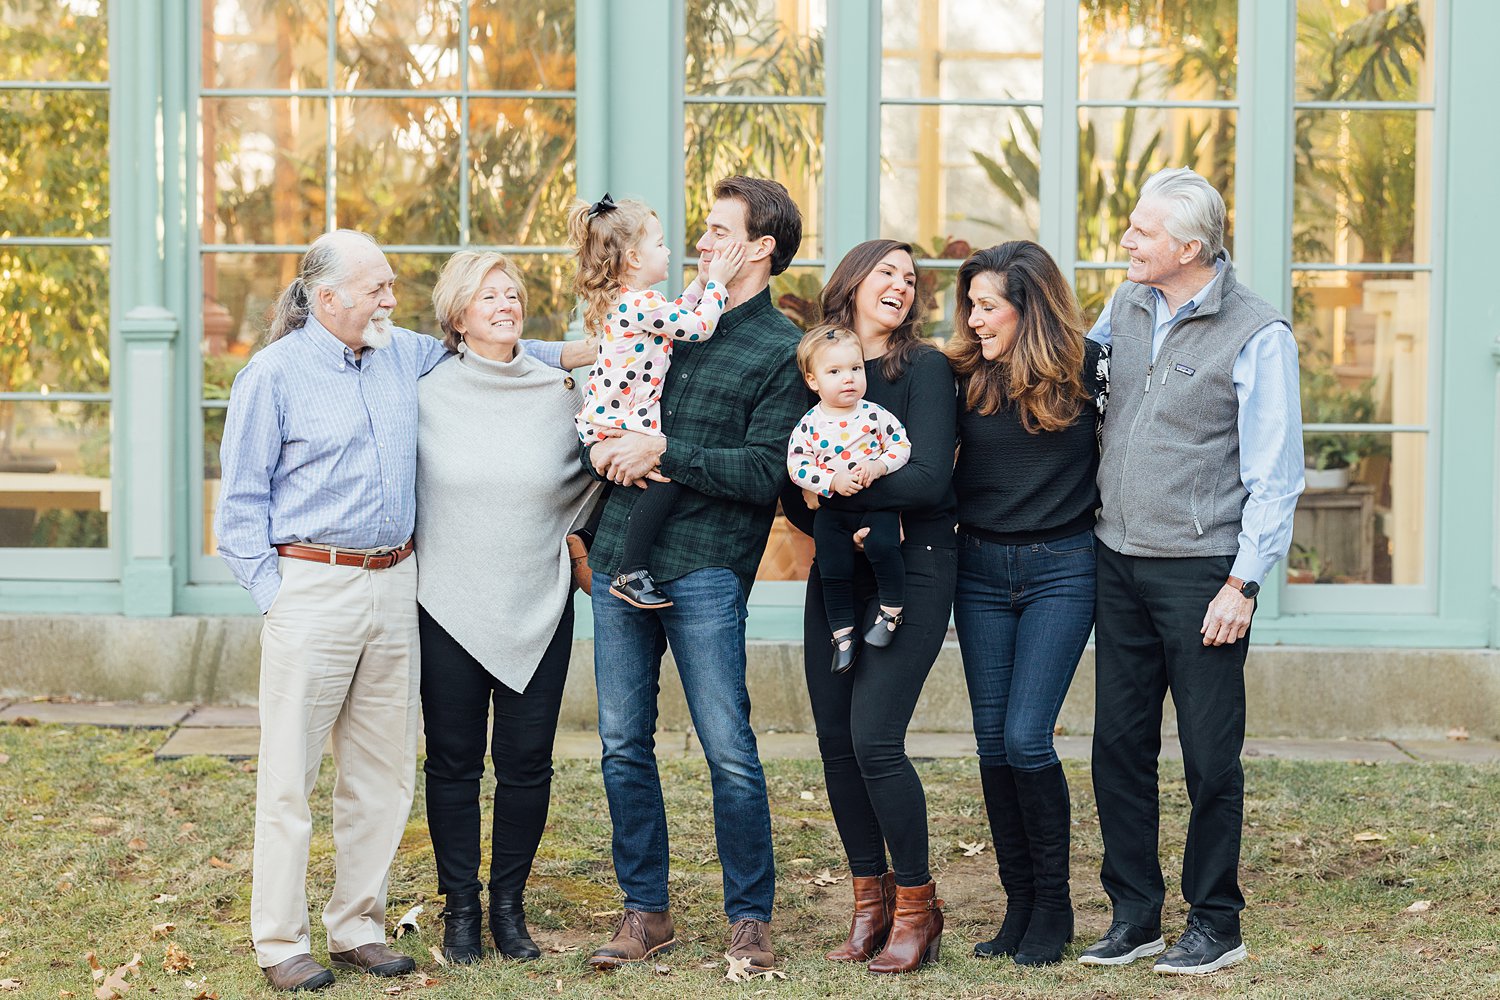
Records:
x=728, y=406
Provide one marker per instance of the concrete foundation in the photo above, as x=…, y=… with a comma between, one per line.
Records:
x=1294, y=691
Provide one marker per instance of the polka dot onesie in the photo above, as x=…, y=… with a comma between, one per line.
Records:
x=635, y=351
x=825, y=444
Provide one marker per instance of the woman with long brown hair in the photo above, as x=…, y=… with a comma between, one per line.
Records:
x=1030, y=391
x=862, y=714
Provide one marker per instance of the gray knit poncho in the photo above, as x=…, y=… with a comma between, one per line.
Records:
x=499, y=487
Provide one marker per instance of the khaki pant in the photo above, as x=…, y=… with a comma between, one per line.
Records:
x=339, y=654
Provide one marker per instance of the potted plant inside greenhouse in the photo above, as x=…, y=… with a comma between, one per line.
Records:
x=1332, y=457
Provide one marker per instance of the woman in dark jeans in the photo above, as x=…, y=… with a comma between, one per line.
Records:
x=1030, y=391
x=861, y=715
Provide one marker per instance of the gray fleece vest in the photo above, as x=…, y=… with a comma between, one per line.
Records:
x=1169, y=466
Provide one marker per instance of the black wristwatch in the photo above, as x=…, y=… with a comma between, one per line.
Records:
x=1247, y=588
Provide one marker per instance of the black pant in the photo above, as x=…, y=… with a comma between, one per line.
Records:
x=456, y=696
x=862, y=715
x=644, y=524
x=1146, y=638
x=833, y=530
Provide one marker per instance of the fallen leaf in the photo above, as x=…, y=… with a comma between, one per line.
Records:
x=808, y=796
x=163, y=897
x=95, y=968
x=972, y=850
x=408, y=922
x=102, y=823
x=661, y=970
x=1316, y=949
x=1456, y=733
x=186, y=828
x=66, y=994
x=437, y=955
x=562, y=949
x=739, y=970
x=24, y=721
x=1420, y=906
x=605, y=913
x=825, y=877
x=248, y=767
x=176, y=960
x=1368, y=835
x=4, y=758
x=770, y=975
x=136, y=844
x=206, y=995
x=219, y=862
x=557, y=986
x=114, y=986
x=11, y=985
x=801, y=861
x=159, y=931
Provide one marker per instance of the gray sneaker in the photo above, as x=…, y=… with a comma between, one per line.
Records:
x=1200, y=951
x=1122, y=944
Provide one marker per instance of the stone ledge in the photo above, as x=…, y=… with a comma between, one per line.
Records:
x=1293, y=691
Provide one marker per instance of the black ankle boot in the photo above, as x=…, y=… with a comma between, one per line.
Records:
x=1012, y=860
x=508, y=925
x=1045, y=811
x=462, y=917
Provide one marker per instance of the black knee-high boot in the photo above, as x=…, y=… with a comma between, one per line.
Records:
x=1045, y=812
x=1012, y=859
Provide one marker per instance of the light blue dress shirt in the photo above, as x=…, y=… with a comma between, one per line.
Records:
x=1270, y=426
x=321, y=447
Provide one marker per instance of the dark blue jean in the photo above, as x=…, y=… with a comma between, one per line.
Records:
x=1023, y=614
x=705, y=628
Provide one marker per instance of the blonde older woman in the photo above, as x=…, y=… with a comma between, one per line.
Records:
x=499, y=487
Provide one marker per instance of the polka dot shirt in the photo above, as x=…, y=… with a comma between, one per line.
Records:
x=826, y=444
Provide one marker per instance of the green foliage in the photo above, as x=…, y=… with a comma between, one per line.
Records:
x=1327, y=400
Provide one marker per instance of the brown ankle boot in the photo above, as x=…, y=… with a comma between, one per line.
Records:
x=916, y=930
x=639, y=936
x=874, y=899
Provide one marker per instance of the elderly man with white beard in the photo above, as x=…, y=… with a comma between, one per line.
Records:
x=315, y=521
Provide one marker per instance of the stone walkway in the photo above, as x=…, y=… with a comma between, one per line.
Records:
x=233, y=731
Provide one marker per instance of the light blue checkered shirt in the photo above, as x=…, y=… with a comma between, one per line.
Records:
x=321, y=447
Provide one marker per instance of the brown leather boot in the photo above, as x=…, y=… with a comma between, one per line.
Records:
x=639, y=936
x=874, y=900
x=916, y=930
x=751, y=939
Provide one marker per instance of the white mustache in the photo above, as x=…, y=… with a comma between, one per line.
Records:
x=379, y=331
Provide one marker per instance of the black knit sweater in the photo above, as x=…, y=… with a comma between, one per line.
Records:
x=1018, y=488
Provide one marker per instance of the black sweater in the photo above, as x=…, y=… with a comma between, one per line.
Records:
x=924, y=399
x=1017, y=488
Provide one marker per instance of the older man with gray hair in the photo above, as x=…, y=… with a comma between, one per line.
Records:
x=315, y=521
x=1200, y=469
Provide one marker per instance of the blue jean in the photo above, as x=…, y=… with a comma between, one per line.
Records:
x=1023, y=614
x=705, y=628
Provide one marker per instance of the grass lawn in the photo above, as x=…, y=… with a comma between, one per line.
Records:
x=100, y=843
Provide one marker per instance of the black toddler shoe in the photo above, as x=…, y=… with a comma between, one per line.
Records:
x=638, y=590
x=884, y=630
x=845, y=649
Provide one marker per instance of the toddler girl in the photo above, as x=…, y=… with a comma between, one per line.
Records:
x=621, y=254
x=842, y=445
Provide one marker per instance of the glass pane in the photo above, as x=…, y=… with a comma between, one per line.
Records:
x=955, y=173
x=1361, y=518
x=781, y=141
x=54, y=163
x=1157, y=50
x=521, y=44
x=937, y=289
x=1119, y=148
x=1363, y=186
x=416, y=274
x=263, y=177
x=768, y=47
x=1363, y=51
x=239, y=290
x=396, y=173
x=55, y=42
x=268, y=46
x=398, y=44
x=213, y=437
x=523, y=170
x=54, y=475
x=1363, y=346
x=549, y=293
x=54, y=319
x=1093, y=288
x=952, y=49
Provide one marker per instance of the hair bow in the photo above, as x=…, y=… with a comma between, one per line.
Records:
x=602, y=206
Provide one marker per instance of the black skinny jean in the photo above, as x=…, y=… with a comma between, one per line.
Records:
x=833, y=531
x=861, y=716
x=457, y=693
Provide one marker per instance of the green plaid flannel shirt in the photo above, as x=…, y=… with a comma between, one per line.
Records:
x=728, y=408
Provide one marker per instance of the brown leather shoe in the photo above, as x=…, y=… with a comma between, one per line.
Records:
x=298, y=973
x=874, y=902
x=374, y=958
x=639, y=936
x=750, y=938
x=916, y=930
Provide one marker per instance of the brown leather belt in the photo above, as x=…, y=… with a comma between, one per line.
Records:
x=334, y=556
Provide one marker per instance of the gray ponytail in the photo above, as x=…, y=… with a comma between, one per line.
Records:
x=324, y=265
